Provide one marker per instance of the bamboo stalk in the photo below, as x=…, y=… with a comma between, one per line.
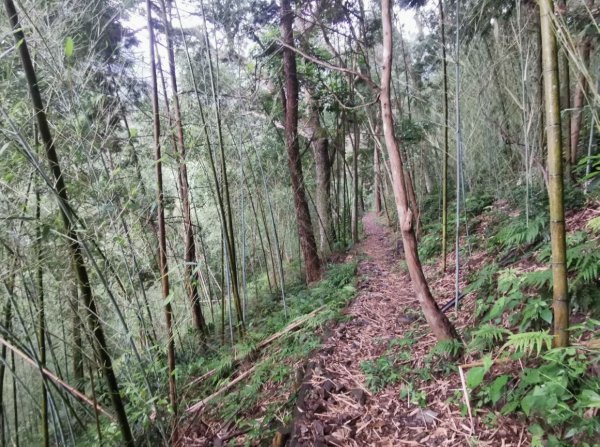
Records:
x=47, y=373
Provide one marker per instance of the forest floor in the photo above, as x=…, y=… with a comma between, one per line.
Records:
x=374, y=381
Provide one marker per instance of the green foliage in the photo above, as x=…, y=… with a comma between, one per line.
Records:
x=413, y=395
x=487, y=336
x=430, y=245
x=583, y=265
x=478, y=203
x=526, y=343
x=380, y=373
x=556, y=396
x=519, y=232
x=446, y=349
x=476, y=374
x=275, y=364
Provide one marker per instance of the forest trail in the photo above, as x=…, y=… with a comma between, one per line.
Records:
x=336, y=406
x=385, y=331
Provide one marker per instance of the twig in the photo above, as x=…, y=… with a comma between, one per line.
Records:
x=466, y=395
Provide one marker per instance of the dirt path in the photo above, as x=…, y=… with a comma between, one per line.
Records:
x=335, y=406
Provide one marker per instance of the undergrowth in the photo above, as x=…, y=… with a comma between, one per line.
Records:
x=556, y=390
x=265, y=400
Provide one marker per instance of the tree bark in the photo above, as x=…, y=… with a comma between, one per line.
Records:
x=162, y=238
x=377, y=175
x=75, y=245
x=355, y=188
x=320, y=146
x=560, y=300
x=446, y=129
x=191, y=275
x=41, y=329
x=312, y=263
x=439, y=323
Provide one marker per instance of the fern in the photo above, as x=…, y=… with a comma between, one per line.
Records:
x=594, y=224
x=538, y=279
x=520, y=232
x=527, y=342
x=446, y=348
x=486, y=336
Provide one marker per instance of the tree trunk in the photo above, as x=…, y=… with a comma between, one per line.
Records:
x=445, y=156
x=377, y=175
x=555, y=173
x=320, y=147
x=584, y=50
x=41, y=329
x=439, y=323
x=77, y=338
x=355, y=193
x=565, y=91
x=162, y=238
x=312, y=264
x=191, y=275
x=75, y=245
x=4, y=361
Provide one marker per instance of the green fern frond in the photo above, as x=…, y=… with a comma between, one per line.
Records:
x=527, y=342
x=486, y=336
x=538, y=278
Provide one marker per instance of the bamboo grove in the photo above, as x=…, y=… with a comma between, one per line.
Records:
x=170, y=167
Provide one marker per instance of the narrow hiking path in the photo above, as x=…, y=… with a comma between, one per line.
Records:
x=336, y=405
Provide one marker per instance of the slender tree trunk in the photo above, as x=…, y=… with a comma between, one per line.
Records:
x=41, y=329
x=320, y=147
x=355, y=192
x=74, y=244
x=162, y=237
x=377, y=174
x=445, y=156
x=439, y=323
x=14, y=398
x=191, y=275
x=585, y=48
x=3, y=362
x=555, y=174
x=77, y=338
x=565, y=91
x=312, y=263
x=225, y=199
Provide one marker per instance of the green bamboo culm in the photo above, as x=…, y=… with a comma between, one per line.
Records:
x=560, y=298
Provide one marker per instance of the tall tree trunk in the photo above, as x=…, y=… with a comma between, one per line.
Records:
x=4, y=361
x=377, y=174
x=191, y=275
x=162, y=237
x=320, y=146
x=77, y=338
x=585, y=48
x=555, y=173
x=75, y=245
x=439, y=323
x=312, y=263
x=565, y=91
x=41, y=329
x=15, y=401
x=355, y=192
x=225, y=205
x=445, y=156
